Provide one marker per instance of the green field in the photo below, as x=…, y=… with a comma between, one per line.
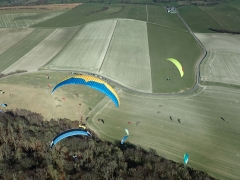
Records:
x=213, y=144
x=170, y=43
x=21, y=48
x=222, y=16
x=227, y=16
x=86, y=13
x=134, y=2
x=197, y=19
x=158, y=15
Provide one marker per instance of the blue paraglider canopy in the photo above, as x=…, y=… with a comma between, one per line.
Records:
x=68, y=133
x=185, y=158
x=124, y=139
x=3, y=105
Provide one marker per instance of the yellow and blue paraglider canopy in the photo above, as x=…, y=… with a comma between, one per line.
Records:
x=177, y=64
x=93, y=82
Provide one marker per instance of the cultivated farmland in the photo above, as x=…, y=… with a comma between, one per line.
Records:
x=222, y=63
x=221, y=67
x=212, y=143
x=9, y=37
x=22, y=47
x=87, y=50
x=44, y=51
x=127, y=52
x=220, y=42
x=24, y=19
x=127, y=60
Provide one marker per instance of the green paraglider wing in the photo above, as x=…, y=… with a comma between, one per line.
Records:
x=177, y=64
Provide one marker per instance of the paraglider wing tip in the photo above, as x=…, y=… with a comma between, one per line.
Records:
x=89, y=134
x=51, y=145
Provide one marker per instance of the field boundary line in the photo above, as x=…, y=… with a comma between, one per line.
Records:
x=149, y=58
x=99, y=107
x=147, y=13
x=211, y=16
x=6, y=63
x=108, y=45
x=96, y=111
x=70, y=40
x=166, y=26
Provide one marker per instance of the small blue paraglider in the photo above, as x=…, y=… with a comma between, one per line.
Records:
x=3, y=105
x=124, y=139
x=185, y=158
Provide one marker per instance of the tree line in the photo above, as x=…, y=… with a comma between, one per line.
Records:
x=224, y=31
x=25, y=154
